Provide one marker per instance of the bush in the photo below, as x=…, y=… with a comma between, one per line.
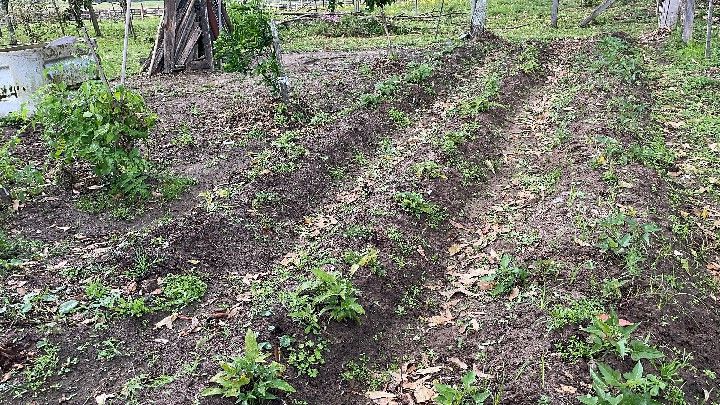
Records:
x=99, y=127
x=249, y=43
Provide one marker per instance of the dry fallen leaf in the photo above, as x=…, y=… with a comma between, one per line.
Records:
x=102, y=398
x=454, y=249
x=374, y=395
x=459, y=363
x=167, y=321
x=429, y=370
x=566, y=389
x=424, y=394
x=442, y=319
x=514, y=294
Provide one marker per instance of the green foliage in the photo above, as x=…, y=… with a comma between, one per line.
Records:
x=180, y=290
x=399, y=118
x=415, y=204
x=465, y=394
x=429, y=169
x=330, y=293
x=418, y=72
x=351, y=26
x=249, y=43
x=249, y=378
x=618, y=58
x=529, y=60
x=614, y=335
x=579, y=311
x=486, y=100
x=43, y=367
x=306, y=357
x=624, y=236
x=250, y=38
x=99, y=127
x=613, y=388
x=507, y=276
x=21, y=181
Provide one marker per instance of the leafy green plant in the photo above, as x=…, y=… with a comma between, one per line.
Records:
x=415, y=204
x=100, y=127
x=180, y=290
x=429, y=169
x=614, y=388
x=612, y=333
x=399, y=118
x=507, y=276
x=306, y=357
x=20, y=181
x=465, y=394
x=249, y=378
x=578, y=311
x=618, y=58
x=624, y=236
x=249, y=40
x=418, y=72
x=333, y=294
x=486, y=100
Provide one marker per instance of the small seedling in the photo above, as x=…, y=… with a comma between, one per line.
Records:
x=416, y=204
x=466, y=393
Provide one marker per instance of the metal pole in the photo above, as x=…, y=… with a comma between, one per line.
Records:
x=128, y=6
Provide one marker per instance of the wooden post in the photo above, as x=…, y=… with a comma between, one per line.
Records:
x=689, y=20
x=437, y=24
x=708, y=33
x=599, y=10
x=283, y=80
x=554, y=13
x=142, y=11
x=123, y=69
x=94, y=19
x=169, y=35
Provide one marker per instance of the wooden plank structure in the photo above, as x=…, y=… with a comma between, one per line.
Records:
x=184, y=37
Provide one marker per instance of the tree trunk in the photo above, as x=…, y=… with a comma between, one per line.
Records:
x=599, y=10
x=708, y=34
x=5, y=8
x=689, y=20
x=668, y=14
x=94, y=19
x=478, y=17
x=554, y=13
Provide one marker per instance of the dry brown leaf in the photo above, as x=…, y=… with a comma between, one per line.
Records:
x=566, y=389
x=454, y=249
x=514, y=294
x=438, y=320
x=375, y=395
x=429, y=370
x=424, y=394
x=102, y=398
x=459, y=363
x=167, y=321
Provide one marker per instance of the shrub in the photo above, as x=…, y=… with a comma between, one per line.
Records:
x=249, y=43
x=331, y=293
x=249, y=378
x=99, y=127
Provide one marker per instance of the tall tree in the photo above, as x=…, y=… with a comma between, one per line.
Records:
x=554, y=13
x=668, y=13
x=478, y=17
x=688, y=20
x=5, y=8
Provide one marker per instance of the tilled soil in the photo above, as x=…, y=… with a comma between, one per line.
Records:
x=429, y=316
